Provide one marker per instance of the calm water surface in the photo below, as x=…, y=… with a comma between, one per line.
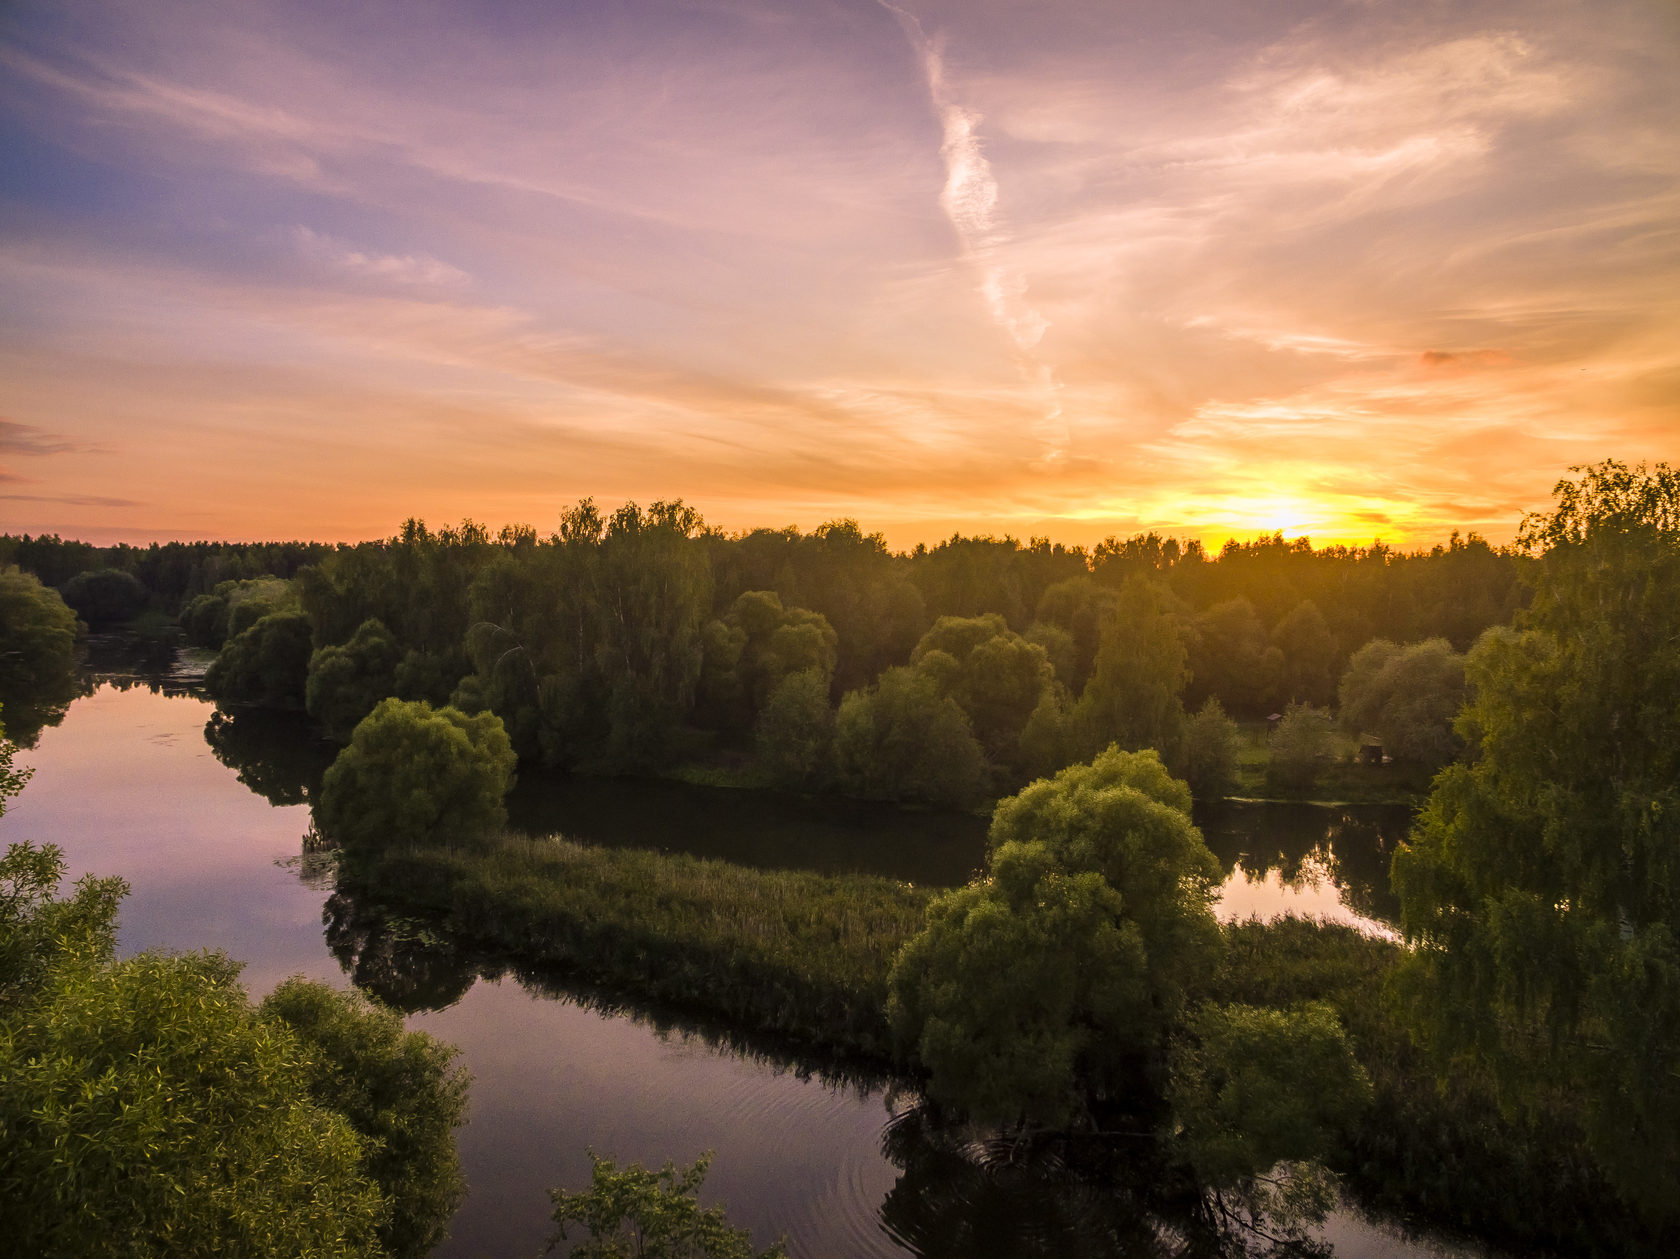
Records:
x=209, y=839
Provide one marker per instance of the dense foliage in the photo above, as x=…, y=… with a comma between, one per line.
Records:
x=148, y=1109
x=1408, y=697
x=1542, y=882
x=413, y=774
x=37, y=654
x=1070, y=982
x=634, y=1213
x=633, y=640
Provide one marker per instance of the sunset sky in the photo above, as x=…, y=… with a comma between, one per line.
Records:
x=1045, y=266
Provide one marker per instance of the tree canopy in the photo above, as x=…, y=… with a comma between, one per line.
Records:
x=1541, y=885
x=413, y=774
x=1052, y=980
x=634, y=1213
x=149, y=1110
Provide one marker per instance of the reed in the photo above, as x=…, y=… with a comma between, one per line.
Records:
x=792, y=953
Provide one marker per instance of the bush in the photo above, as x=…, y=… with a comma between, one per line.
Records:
x=796, y=730
x=107, y=596
x=903, y=740
x=345, y=682
x=1299, y=746
x=417, y=775
x=266, y=665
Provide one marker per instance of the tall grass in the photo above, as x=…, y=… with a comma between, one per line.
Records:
x=793, y=953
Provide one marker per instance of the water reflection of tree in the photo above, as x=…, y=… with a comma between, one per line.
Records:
x=279, y=756
x=403, y=961
x=1308, y=844
x=962, y=1194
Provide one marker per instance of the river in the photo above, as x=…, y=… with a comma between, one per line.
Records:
x=129, y=783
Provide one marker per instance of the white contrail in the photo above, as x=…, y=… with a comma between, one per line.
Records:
x=969, y=200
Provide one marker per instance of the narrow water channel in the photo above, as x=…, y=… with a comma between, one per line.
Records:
x=129, y=784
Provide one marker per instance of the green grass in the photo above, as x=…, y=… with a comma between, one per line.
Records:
x=791, y=953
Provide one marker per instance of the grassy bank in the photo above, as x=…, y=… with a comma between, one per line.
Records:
x=791, y=953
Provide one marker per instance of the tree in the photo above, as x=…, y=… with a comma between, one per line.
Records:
x=996, y=676
x=1054, y=980
x=37, y=653
x=147, y=1109
x=1309, y=654
x=105, y=596
x=638, y=1214
x=1407, y=696
x=1258, y=1095
x=903, y=740
x=1299, y=747
x=1541, y=884
x=796, y=730
x=266, y=665
x=344, y=683
x=1132, y=698
x=401, y=1093
x=1232, y=658
x=1209, y=751
x=413, y=774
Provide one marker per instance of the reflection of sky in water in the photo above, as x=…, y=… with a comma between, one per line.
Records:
x=1312, y=894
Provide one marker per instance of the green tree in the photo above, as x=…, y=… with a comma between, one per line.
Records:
x=1232, y=658
x=1258, y=1096
x=413, y=774
x=652, y=588
x=1308, y=652
x=1408, y=697
x=1300, y=745
x=1541, y=884
x=796, y=730
x=1132, y=698
x=1054, y=981
x=344, y=683
x=996, y=676
x=638, y=1214
x=266, y=665
x=903, y=740
x=37, y=653
x=401, y=1093
x=105, y=596
x=147, y=1109
x=1209, y=751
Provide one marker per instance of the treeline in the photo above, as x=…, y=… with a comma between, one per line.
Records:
x=632, y=641
x=167, y=574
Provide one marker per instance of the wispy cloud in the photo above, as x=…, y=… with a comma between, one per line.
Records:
x=26, y=439
x=967, y=264
x=969, y=199
x=421, y=270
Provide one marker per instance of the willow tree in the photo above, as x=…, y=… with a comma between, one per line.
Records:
x=1541, y=884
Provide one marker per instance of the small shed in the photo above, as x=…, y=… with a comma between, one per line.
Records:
x=1272, y=723
x=1371, y=751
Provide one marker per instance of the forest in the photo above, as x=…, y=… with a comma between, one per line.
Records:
x=643, y=640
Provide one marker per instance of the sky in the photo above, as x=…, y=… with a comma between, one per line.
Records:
x=1352, y=270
